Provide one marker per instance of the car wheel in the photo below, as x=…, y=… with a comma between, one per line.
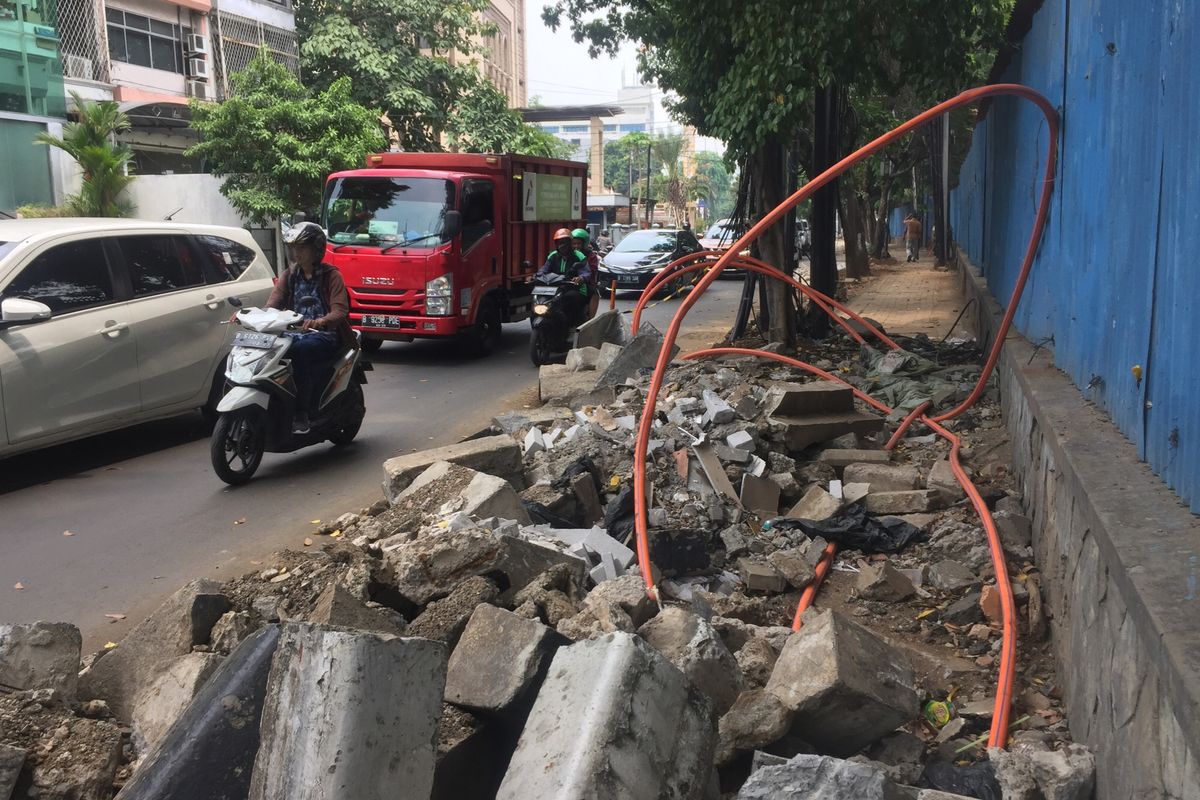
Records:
x=237, y=445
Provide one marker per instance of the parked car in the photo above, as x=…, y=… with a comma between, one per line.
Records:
x=638, y=257
x=107, y=323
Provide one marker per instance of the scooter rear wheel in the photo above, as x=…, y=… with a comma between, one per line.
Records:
x=238, y=442
x=345, y=434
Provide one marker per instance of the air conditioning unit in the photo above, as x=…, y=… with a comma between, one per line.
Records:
x=197, y=69
x=195, y=43
x=198, y=90
x=79, y=67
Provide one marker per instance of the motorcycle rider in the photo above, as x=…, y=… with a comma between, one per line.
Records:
x=315, y=291
x=603, y=242
x=566, y=260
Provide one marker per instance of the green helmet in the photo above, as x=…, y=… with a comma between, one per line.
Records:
x=580, y=233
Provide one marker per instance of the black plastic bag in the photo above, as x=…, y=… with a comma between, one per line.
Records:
x=544, y=516
x=852, y=528
x=580, y=466
x=618, y=515
x=976, y=780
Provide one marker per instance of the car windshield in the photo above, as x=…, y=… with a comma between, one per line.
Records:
x=7, y=247
x=380, y=212
x=647, y=242
x=715, y=230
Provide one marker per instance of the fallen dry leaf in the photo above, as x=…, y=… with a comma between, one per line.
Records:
x=109, y=645
x=68, y=533
x=115, y=617
x=307, y=542
x=20, y=586
x=241, y=521
x=335, y=534
x=314, y=522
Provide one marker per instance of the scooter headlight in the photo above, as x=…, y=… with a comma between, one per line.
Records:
x=540, y=309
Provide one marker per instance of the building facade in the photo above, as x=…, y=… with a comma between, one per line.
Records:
x=500, y=53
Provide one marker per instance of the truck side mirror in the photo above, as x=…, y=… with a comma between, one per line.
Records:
x=452, y=224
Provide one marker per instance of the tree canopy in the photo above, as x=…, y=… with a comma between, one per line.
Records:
x=483, y=123
x=275, y=142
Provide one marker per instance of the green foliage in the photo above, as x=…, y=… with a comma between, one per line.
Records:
x=103, y=162
x=721, y=195
x=394, y=52
x=44, y=212
x=275, y=142
x=620, y=155
x=483, y=123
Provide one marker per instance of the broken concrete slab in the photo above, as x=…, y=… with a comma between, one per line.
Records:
x=1016, y=532
x=800, y=432
x=445, y=488
x=941, y=477
x=427, y=568
x=608, y=352
x=816, y=504
x=716, y=410
x=337, y=607
x=883, y=477
x=1026, y=774
x=813, y=777
x=499, y=659
x=760, y=496
x=696, y=650
x=802, y=399
x=185, y=620
x=794, y=566
x=513, y=422
x=355, y=717
x=952, y=576
x=40, y=655
x=881, y=581
x=444, y=620
x=582, y=358
x=12, y=759
x=640, y=353
x=760, y=576
x=614, y=720
x=494, y=455
x=72, y=759
x=840, y=459
x=756, y=659
x=757, y=719
x=168, y=695
x=627, y=593
x=910, y=502
x=607, y=327
x=854, y=492
x=847, y=686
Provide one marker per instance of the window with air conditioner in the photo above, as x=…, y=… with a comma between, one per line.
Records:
x=145, y=42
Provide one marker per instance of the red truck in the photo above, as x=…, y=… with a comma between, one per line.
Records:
x=433, y=245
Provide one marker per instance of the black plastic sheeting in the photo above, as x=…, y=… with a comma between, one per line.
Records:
x=852, y=528
x=976, y=780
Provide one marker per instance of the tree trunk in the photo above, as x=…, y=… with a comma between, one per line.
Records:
x=857, y=265
x=823, y=261
x=883, y=233
x=933, y=143
x=769, y=175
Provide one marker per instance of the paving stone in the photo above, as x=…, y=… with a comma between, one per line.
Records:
x=493, y=455
x=848, y=687
x=534, y=442
x=816, y=504
x=941, y=477
x=840, y=459
x=883, y=477
x=910, y=502
x=951, y=576
x=812, y=777
x=40, y=655
x=499, y=659
x=696, y=650
x=614, y=720
x=881, y=581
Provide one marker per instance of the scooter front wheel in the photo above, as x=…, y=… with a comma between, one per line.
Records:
x=540, y=352
x=238, y=442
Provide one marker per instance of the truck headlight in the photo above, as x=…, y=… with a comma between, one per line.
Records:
x=438, y=294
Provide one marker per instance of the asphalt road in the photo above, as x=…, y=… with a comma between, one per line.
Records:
x=147, y=514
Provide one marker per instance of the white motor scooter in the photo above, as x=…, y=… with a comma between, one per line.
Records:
x=255, y=415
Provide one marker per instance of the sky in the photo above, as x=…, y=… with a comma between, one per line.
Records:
x=560, y=72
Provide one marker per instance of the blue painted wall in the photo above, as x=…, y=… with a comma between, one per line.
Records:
x=1116, y=282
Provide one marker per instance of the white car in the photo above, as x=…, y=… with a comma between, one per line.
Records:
x=106, y=323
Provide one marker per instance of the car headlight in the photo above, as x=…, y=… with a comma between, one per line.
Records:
x=438, y=294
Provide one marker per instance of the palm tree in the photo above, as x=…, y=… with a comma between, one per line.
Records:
x=104, y=162
x=673, y=186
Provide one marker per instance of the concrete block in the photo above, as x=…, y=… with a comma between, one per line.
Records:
x=800, y=432
x=760, y=496
x=499, y=659
x=816, y=504
x=607, y=327
x=338, y=607
x=431, y=567
x=445, y=488
x=813, y=777
x=910, y=502
x=964, y=611
x=444, y=620
x=840, y=459
x=11, y=761
x=846, y=685
x=168, y=694
x=613, y=720
x=186, y=619
x=627, y=593
x=853, y=492
x=761, y=577
x=349, y=715
x=802, y=399
x=951, y=576
x=883, y=477
x=608, y=352
x=696, y=650
x=582, y=358
x=794, y=566
x=557, y=384
x=1016, y=531
x=941, y=477
x=881, y=581
x=513, y=422
x=533, y=443
x=716, y=410
x=641, y=352
x=494, y=455
x=757, y=719
x=740, y=440
x=40, y=655
x=596, y=540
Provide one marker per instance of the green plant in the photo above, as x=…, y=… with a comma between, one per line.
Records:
x=483, y=123
x=103, y=162
x=43, y=212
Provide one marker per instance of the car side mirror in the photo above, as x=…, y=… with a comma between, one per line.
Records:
x=19, y=311
x=452, y=225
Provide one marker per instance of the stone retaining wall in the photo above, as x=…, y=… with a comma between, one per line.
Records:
x=1120, y=558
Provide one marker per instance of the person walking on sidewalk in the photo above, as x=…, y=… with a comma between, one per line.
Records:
x=912, y=236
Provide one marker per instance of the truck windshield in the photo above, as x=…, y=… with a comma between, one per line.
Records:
x=384, y=212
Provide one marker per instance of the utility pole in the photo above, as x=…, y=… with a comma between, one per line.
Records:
x=630, y=187
x=944, y=233
x=646, y=198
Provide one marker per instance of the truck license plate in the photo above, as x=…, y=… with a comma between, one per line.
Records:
x=380, y=321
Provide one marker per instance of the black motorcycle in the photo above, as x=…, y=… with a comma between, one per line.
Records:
x=552, y=326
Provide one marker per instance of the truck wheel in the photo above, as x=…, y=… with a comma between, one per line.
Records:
x=484, y=338
x=370, y=344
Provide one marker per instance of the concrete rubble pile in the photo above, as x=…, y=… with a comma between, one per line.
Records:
x=485, y=630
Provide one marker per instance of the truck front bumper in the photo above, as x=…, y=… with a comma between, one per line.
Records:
x=391, y=326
